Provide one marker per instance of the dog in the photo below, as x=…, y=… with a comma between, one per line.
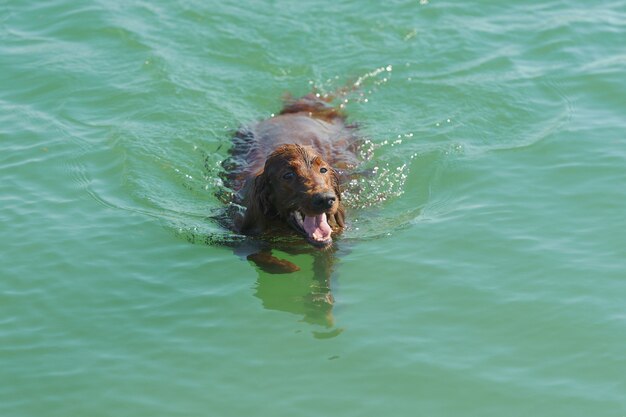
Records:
x=287, y=170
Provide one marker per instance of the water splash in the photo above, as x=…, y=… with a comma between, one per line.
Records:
x=358, y=91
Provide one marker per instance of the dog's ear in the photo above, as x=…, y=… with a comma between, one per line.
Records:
x=335, y=181
x=340, y=214
x=258, y=205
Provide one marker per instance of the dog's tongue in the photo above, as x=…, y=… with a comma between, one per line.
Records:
x=317, y=227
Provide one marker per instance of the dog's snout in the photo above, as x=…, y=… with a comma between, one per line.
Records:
x=324, y=200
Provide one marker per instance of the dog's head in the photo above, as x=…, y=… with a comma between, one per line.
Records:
x=300, y=188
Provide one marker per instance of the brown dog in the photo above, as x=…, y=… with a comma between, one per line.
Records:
x=285, y=169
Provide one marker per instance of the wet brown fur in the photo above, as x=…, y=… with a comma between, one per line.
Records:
x=307, y=136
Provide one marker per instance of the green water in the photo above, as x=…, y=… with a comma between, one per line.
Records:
x=483, y=271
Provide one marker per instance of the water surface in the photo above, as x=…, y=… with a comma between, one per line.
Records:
x=483, y=270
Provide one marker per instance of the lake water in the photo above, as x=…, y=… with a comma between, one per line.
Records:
x=483, y=272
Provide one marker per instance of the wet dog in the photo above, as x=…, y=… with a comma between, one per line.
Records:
x=286, y=170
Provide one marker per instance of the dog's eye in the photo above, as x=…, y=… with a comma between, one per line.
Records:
x=288, y=175
x=323, y=170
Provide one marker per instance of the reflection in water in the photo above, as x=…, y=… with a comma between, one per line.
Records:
x=305, y=292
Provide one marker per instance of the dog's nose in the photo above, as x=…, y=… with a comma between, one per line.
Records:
x=324, y=200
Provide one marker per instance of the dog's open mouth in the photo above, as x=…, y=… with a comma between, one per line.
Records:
x=316, y=228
